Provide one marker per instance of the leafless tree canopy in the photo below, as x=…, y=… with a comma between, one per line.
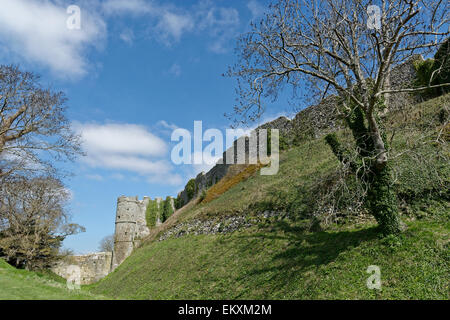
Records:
x=327, y=47
x=107, y=244
x=34, y=130
x=33, y=221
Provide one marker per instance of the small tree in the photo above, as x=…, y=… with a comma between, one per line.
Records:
x=345, y=48
x=33, y=221
x=107, y=244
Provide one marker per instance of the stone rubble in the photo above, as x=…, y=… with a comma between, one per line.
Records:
x=220, y=226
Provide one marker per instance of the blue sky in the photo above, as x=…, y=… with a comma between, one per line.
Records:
x=133, y=72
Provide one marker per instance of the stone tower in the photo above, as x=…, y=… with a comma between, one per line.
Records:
x=131, y=227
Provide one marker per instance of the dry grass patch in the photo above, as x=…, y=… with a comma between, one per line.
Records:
x=235, y=175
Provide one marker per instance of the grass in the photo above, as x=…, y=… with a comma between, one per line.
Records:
x=230, y=180
x=26, y=285
x=282, y=259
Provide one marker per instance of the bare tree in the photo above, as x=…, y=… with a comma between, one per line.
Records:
x=345, y=48
x=107, y=244
x=33, y=127
x=33, y=221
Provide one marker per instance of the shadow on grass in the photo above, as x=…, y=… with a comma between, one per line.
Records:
x=304, y=250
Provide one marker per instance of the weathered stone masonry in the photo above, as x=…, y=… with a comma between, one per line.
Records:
x=92, y=267
x=131, y=227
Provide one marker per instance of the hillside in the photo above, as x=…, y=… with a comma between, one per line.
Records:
x=25, y=285
x=284, y=254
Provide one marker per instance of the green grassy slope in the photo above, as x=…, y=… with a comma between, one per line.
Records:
x=25, y=285
x=282, y=259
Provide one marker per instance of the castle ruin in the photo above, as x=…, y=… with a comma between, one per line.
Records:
x=131, y=228
x=131, y=225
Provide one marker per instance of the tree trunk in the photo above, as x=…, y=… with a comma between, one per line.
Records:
x=378, y=143
x=382, y=201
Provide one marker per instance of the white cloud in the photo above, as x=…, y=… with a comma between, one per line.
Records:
x=170, y=23
x=167, y=125
x=126, y=147
x=168, y=179
x=95, y=177
x=123, y=139
x=127, y=36
x=117, y=176
x=175, y=70
x=129, y=6
x=172, y=26
x=36, y=30
x=256, y=9
x=220, y=23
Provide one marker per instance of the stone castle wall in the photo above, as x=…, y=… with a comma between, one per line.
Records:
x=92, y=267
x=131, y=227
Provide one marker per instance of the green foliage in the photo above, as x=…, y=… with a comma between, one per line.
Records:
x=332, y=140
x=152, y=213
x=438, y=68
x=203, y=195
x=424, y=70
x=167, y=209
x=442, y=58
x=178, y=202
x=191, y=189
x=283, y=142
x=382, y=202
x=381, y=199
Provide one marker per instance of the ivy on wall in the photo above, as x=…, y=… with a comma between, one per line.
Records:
x=191, y=189
x=152, y=213
x=167, y=209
